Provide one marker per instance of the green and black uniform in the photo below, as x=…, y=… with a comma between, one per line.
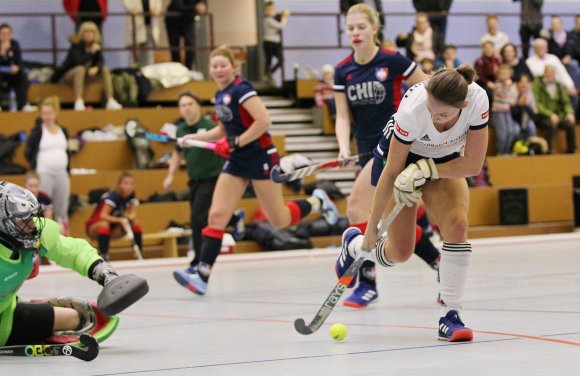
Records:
x=15, y=316
x=203, y=168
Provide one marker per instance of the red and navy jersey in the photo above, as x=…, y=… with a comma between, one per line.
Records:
x=234, y=117
x=118, y=204
x=373, y=90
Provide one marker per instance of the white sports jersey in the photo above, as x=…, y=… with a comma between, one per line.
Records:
x=413, y=124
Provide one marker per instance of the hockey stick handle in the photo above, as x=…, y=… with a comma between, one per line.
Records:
x=88, y=354
x=300, y=173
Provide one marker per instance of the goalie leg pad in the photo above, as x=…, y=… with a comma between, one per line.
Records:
x=121, y=293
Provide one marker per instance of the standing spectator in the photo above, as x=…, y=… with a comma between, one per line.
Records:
x=323, y=92
x=32, y=183
x=506, y=131
x=203, y=168
x=448, y=59
x=530, y=22
x=494, y=35
x=12, y=76
x=509, y=56
x=542, y=58
x=47, y=153
x=554, y=109
x=423, y=41
x=182, y=25
x=565, y=45
x=273, y=38
x=243, y=139
x=84, y=62
x=486, y=67
x=576, y=33
x=115, y=212
x=438, y=10
x=525, y=108
x=145, y=17
x=74, y=7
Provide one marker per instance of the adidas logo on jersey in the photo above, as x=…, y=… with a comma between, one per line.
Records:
x=425, y=138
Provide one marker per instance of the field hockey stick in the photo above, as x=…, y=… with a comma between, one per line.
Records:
x=87, y=354
x=131, y=236
x=131, y=129
x=343, y=282
x=278, y=177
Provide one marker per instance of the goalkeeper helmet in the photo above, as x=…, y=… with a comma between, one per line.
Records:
x=18, y=207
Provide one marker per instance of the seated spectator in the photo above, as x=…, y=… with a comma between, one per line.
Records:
x=423, y=41
x=115, y=212
x=486, y=67
x=538, y=62
x=509, y=56
x=323, y=92
x=12, y=76
x=84, y=62
x=427, y=65
x=494, y=35
x=565, y=46
x=554, y=109
x=32, y=183
x=506, y=131
x=525, y=108
x=448, y=59
x=47, y=152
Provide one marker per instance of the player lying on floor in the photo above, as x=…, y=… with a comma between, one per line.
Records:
x=24, y=234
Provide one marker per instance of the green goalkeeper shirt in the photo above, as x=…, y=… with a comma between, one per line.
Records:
x=70, y=253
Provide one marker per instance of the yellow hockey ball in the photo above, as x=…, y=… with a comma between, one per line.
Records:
x=338, y=331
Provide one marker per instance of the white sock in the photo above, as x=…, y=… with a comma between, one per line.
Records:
x=453, y=274
x=354, y=246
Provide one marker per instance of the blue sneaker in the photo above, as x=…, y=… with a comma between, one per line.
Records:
x=190, y=279
x=239, y=228
x=362, y=296
x=452, y=329
x=327, y=208
x=345, y=260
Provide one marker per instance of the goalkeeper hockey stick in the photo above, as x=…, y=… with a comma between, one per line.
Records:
x=131, y=236
x=341, y=286
x=89, y=353
x=278, y=177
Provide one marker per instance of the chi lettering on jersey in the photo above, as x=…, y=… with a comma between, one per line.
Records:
x=363, y=93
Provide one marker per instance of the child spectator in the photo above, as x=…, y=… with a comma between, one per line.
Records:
x=506, y=131
x=273, y=25
x=486, y=67
x=323, y=92
x=448, y=59
x=115, y=211
x=494, y=35
x=32, y=183
x=427, y=65
x=84, y=62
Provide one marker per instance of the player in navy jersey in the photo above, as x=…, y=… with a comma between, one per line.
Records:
x=115, y=211
x=243, y=139
x=437, y=138
x=368, y=86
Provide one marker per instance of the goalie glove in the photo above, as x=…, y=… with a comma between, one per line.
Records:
x=411, y=179
x=103, y=273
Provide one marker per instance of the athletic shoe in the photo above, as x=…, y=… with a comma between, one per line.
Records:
x=362, y=296
x=112, y=104
x=327, y=207
x=80, y=105
x=452, y=329
x=239, y=227
x=190, y=279
x=345, y=260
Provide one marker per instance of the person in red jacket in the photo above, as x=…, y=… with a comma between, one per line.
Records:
x=73, y=7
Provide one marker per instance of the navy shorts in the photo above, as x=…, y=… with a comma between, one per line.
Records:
x=252, y=164
x=379, y=162
x=366, y=146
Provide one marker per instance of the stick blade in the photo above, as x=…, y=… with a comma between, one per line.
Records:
x=301, y=327
x=277, y=176
x=91, y=351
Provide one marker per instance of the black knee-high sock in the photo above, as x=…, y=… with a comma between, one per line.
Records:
x=138, y=236
x=427, y=251
x=103, y=243
x=211, y=244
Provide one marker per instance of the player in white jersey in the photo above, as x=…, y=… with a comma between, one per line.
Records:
x=437, y=138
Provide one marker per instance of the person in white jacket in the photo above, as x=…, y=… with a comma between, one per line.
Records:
x=541, y=58
x=143, y=26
